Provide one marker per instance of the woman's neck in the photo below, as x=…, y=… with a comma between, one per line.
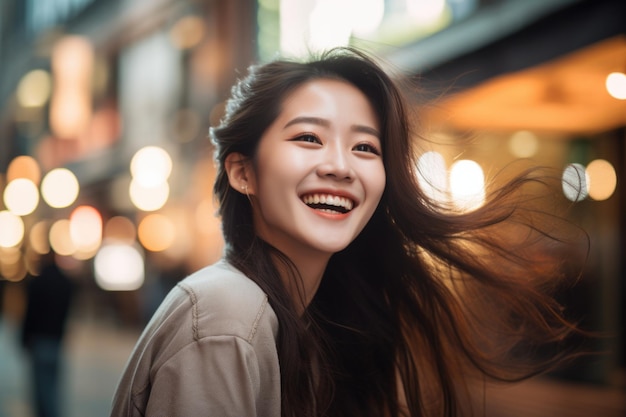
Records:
x=303, y=285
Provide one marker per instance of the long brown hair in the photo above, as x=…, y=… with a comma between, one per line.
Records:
x=423, y=299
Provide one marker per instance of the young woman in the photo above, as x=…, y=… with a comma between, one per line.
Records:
x=343, y=290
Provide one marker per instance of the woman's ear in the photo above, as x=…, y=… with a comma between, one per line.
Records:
x=239, y=171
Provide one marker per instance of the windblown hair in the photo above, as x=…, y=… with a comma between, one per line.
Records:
x=423, y=300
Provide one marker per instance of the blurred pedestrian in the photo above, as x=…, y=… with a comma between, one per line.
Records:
x=48, y=300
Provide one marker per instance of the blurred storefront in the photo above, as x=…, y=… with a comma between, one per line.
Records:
x=91, y=89
x=541, y=89
x=88, y=84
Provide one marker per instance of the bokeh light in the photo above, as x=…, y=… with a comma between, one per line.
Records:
x=119, y=267
x=21, y=196
x=616, y=85
x=10, y=255
x=72, y=56
x=61, y=239
x=149, y=198
x=38, y=237
x=120, y=229
x=467, y=185
x=12, y=265
x=151, y=166
x=156, y=232
x=12, y=228
x=187, y=32
x=72, y=67
x=86, y=229
x=575, y=182
x=433, y=176
x=59, y=188
x=24, y=166
x=70, y=115
x=602, y=179
x=181, y=218
x=523, y=144
x=34, y=89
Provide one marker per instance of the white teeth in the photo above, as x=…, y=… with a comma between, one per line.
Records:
x=331, y=200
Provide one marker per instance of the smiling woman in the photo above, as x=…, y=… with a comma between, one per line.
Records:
x=344, y=290
x=317, y=177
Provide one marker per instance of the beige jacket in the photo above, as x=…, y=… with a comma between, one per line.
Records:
x=209, y=350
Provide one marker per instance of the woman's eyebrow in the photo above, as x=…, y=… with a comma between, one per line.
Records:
x=366, y=129
x=309, y=120
x=326, y=123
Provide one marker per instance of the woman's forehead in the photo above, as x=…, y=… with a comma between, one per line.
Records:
x=328, y=96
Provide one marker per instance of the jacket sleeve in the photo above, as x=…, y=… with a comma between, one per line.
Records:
x=215, y=376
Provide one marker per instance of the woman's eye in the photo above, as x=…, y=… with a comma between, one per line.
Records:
x=308, y=138
x=366, y=147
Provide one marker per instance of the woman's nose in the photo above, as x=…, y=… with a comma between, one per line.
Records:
x=336, y=165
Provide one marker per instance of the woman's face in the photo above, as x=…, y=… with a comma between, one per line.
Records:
x=319, y=172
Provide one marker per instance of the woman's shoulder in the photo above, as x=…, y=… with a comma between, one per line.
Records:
x=202, y=323
x=224, y=302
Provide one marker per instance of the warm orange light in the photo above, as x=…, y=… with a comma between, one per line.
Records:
x=10, y=255
x=86, y=228
x=73, y=58
x=60, y=239
x=70, y=113
x=121, y=229
x=602, y=179
x=72, y=67
x=523, y=144
x=156, y=232
x=24, y=166
x=206, y=220
x=12, y=228
x=187, y=32
x=38, y=237
x=12, y=265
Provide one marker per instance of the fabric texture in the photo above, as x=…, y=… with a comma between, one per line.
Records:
x=209, y=350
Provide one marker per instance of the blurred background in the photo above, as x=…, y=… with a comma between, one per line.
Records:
x=104, y=159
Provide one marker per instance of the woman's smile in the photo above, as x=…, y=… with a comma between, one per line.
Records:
x=328, y=202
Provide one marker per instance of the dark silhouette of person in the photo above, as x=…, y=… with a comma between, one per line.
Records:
x=49, y=296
